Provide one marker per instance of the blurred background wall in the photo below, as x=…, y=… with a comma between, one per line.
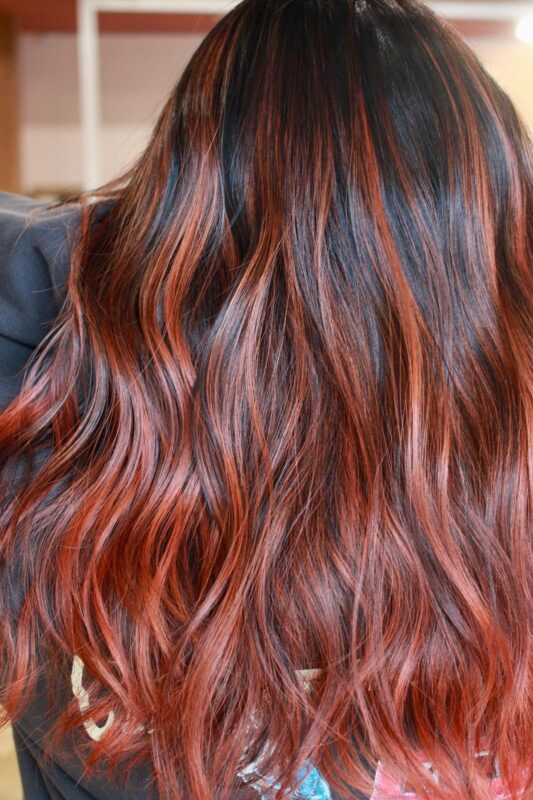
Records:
x=137, y=70
x=141, y=56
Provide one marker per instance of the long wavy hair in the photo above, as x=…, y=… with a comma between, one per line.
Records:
x=287, y=413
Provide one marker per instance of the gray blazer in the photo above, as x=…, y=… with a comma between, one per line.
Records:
x=34, y=259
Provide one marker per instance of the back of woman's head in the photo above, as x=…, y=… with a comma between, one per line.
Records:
x=290, y=401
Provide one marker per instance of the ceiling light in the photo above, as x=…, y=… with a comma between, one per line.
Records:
x=524, y=30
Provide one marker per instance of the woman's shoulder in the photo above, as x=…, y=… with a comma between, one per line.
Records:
x=20, y=214
x=35, y=245
x=16, y=207
x=35, y=241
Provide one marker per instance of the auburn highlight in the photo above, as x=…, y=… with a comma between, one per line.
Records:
x=284, y=422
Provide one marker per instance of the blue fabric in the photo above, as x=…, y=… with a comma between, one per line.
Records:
x=312, y=787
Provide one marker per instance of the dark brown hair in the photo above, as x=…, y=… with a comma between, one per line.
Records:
x=288, y=408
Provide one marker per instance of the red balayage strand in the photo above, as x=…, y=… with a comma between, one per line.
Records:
x=287, y=414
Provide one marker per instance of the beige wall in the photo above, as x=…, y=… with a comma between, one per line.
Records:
x=138, y=71
x=511, y=63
